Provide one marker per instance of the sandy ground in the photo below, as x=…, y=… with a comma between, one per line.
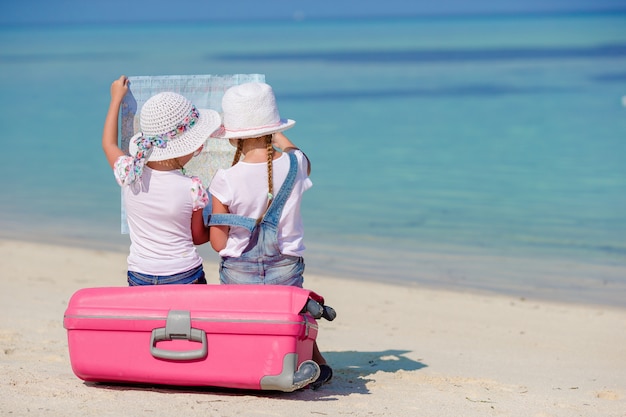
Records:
x=396, y=351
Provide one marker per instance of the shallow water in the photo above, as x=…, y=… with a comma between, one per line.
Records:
x=492, y=138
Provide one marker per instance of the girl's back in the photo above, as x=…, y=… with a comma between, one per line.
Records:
x=159, y=210
x=243, y=188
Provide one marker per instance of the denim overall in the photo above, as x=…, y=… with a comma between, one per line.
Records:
x=261, y=262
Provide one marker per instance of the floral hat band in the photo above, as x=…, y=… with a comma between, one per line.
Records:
x=160, y=141
x=145, y=144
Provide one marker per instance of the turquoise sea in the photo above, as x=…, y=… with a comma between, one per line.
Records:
x=474, y=153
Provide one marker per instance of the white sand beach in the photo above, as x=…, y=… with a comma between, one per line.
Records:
x=396, y=351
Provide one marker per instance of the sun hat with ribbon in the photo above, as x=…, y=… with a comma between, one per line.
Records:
x=171, y=127
x=249, y=111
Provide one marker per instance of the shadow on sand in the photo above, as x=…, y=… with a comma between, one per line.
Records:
x=352, y=371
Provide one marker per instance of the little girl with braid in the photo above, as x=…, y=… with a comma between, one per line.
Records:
x=263, y=190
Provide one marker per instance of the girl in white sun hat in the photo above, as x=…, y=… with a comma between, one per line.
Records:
x=256, y=223
x=163, y=205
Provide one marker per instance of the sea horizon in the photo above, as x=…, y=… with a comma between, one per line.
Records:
x=303, y=18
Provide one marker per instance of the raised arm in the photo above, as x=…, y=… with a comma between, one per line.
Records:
x=110, y=146
x=283, y=143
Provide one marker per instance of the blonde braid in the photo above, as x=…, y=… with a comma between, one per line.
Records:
x=238, y=151
x=270, y=166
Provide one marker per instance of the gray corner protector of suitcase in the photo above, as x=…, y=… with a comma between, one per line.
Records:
x=285, y=380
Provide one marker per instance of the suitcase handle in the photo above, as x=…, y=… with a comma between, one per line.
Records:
x=178, y=326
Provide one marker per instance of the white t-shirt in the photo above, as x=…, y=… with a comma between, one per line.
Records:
x=243, y=188
x=159, y=209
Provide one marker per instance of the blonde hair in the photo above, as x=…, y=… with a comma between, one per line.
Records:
x=270, y=165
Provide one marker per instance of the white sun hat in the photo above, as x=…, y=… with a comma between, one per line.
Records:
x=249, y=111
x=171, y=127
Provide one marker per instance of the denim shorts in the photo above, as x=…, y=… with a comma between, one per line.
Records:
x=274, y=270
x=193, y=276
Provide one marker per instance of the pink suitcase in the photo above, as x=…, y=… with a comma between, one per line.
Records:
x=233, y=336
